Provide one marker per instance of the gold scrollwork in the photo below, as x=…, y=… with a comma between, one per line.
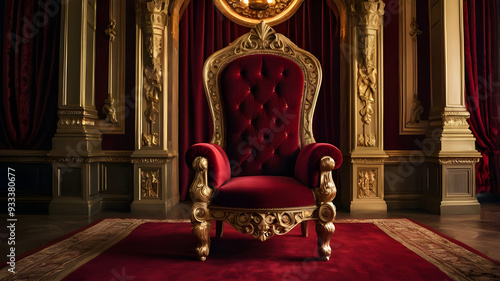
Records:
x=262, y=225
x=367, y=183
x=150, y=184
x=262, y=39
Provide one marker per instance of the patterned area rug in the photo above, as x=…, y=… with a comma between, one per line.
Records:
x=133, y=249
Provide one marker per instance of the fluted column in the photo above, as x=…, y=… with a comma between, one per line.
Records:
x=77, y=139
x=366, y=152
x=155, y=178
x=449, y=142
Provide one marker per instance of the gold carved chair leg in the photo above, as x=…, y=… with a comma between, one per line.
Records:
x=200, y=215
x=324, y=232
x=201, y=232
x=325, y=193
x=219, y=228
x=305, y=231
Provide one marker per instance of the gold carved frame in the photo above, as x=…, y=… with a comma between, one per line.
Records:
x=262, y=39
x=262, y=223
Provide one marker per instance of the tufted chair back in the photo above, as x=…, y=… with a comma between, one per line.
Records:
x=262, y=90
x=262, y=96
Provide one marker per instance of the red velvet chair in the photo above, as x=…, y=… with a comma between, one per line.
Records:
x=262, y=172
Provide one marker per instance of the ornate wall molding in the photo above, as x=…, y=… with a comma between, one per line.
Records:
x=250, y=12
x=373, y=161
x=114, y=105
x=458, y=160
x=411, y=109
x=75, y=118
x=152, y=160
x=458, y=118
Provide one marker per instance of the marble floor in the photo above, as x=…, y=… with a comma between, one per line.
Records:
x=481, y=233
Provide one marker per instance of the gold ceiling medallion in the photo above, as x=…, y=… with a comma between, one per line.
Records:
x=250, y=12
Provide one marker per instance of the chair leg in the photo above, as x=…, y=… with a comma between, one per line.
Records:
x=324, y=230
x=219, y=228
x=305, y=231
x=201, y=232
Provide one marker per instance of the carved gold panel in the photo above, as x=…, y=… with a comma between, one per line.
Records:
x=250, y=12
x=150, y=183
x=367, y=183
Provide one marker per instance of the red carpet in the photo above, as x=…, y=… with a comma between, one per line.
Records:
x=362, y=250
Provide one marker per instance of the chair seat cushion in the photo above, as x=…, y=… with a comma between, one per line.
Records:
x=257, y=192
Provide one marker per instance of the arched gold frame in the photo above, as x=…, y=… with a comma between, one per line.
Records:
x=262, y=40
x=239, y=15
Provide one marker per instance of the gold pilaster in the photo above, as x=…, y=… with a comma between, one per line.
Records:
x=366, y=155
x=77, y=136
x=155, y=160
x=453, y=156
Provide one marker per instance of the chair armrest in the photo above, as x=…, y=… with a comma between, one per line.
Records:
x=307, y=167
x=219, y=170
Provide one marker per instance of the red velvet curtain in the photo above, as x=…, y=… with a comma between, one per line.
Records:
x=483, y=88
x=204, y=30
x=29, y=74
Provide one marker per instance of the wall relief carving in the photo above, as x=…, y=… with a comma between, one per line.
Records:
x=150, y=184
x=367, y=183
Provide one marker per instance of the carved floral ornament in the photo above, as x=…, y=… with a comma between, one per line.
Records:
x=250, y=12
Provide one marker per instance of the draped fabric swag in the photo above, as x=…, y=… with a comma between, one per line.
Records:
x=29, y=74
x=204, y=30
x=483, y=88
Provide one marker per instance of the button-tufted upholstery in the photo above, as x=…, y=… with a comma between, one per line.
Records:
x=262, y=97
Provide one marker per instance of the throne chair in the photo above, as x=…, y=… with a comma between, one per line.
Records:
x=262, y=172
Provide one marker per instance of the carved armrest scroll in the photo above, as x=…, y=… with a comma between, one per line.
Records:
x=326, y=191
x=199, y=190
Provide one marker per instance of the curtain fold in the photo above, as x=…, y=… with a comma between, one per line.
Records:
x=30, y=54
x=204, y=30
x=483, y=88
